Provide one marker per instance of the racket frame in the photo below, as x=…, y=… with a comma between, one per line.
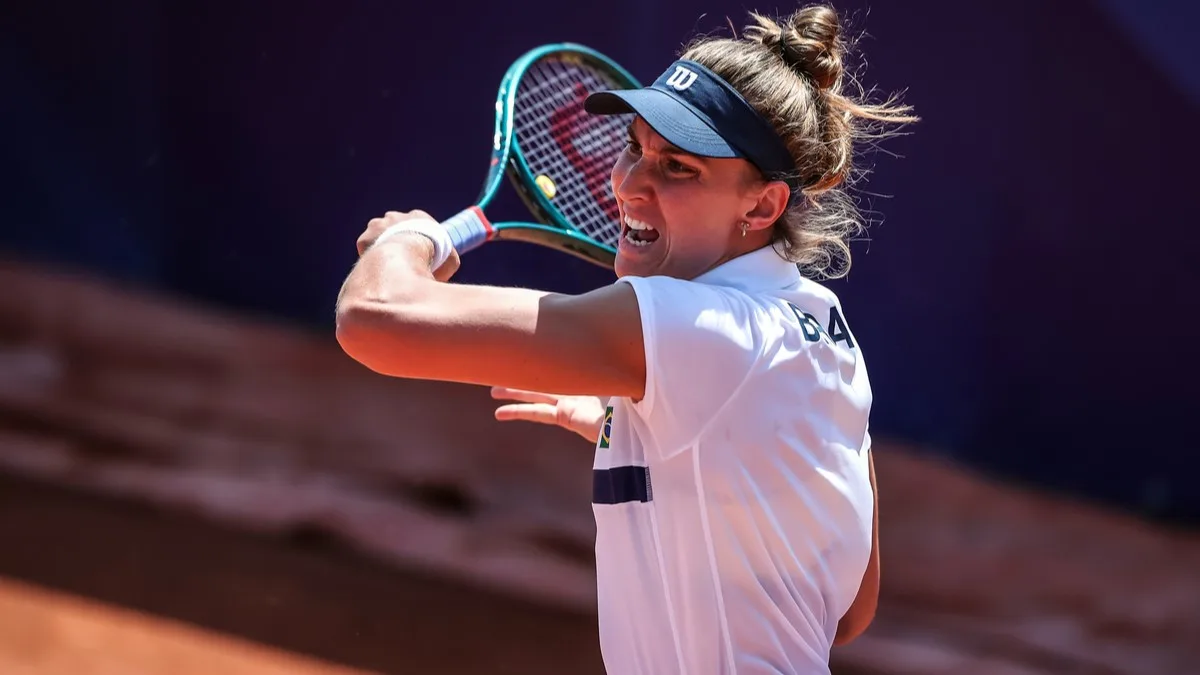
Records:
x=508, y=160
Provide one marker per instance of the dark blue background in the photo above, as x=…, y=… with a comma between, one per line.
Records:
x=1025, y=302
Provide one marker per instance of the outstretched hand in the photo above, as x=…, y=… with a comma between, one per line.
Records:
x=582, y=414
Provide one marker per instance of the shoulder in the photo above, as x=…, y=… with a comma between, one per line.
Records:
x=694, y=297
x=706, y=313
x=701, y=342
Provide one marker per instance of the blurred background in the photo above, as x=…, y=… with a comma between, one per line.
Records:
x=193, y=478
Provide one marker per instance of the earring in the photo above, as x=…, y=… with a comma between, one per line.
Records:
x=745, y=226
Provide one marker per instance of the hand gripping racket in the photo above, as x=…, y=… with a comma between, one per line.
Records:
x=555, y=154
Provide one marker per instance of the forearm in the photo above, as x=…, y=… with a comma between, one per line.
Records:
x=394, y=272
x=398, y=318
x=390, y=281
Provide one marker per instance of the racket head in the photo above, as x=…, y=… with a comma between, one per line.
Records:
x=559, y=157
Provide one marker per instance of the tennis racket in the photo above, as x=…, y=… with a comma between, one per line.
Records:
x=557, y=156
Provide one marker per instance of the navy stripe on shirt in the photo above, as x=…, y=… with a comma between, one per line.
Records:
x=621, y=484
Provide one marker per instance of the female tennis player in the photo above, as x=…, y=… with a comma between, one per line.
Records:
x=726, y=395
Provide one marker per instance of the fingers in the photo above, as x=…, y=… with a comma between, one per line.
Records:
x=541, y=413
x=376, y=226
x=504, y=393
x=397, y=216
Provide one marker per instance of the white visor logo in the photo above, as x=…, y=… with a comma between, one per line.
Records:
x=681, y=79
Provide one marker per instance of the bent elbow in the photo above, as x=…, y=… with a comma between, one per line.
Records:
x=350, y=328
x=359, y=330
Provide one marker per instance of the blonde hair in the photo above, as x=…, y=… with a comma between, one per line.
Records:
x=793, y=74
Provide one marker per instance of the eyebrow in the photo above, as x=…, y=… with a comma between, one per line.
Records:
x=668, y=149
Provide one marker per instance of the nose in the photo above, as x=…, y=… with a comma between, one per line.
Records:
x=631, y=180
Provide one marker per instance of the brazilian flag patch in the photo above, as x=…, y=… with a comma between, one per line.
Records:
x=606, y=430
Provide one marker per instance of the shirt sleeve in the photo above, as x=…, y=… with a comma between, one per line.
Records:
x=701, y=343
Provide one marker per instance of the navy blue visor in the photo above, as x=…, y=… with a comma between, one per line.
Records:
x=700, y=113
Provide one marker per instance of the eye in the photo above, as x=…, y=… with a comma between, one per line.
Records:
x=679, y=168
x=632, y=146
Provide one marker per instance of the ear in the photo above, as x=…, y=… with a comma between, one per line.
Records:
x=771, y=200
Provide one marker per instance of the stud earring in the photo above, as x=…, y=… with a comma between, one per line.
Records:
x=745, y=226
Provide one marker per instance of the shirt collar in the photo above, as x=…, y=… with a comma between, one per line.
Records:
x=759, y=270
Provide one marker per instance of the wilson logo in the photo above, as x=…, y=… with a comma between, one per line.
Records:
x=681, y=79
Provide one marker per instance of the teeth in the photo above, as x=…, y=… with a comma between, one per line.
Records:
x=636, y=224
x=628, y=237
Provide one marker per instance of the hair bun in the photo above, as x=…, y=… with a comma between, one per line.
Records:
x=810, y=43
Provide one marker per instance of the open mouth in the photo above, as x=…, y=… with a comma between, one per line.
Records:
x=637, y=233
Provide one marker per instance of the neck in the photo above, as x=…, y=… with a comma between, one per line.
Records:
x=740, y=246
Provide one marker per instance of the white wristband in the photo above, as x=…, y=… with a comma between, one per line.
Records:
x=442, y=245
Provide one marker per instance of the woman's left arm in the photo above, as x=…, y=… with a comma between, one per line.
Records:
x=862, y=610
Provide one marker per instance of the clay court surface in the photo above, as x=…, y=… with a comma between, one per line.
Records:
x=96, y=587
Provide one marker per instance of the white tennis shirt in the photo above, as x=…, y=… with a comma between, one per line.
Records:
x=732, y=503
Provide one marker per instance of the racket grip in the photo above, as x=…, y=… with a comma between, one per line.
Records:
x=468, y=229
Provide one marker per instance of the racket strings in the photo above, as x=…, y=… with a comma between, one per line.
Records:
x=574, y=149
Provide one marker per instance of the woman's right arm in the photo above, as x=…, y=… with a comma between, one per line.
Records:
x=394, y=317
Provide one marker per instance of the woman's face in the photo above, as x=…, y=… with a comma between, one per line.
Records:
x=682, y=215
